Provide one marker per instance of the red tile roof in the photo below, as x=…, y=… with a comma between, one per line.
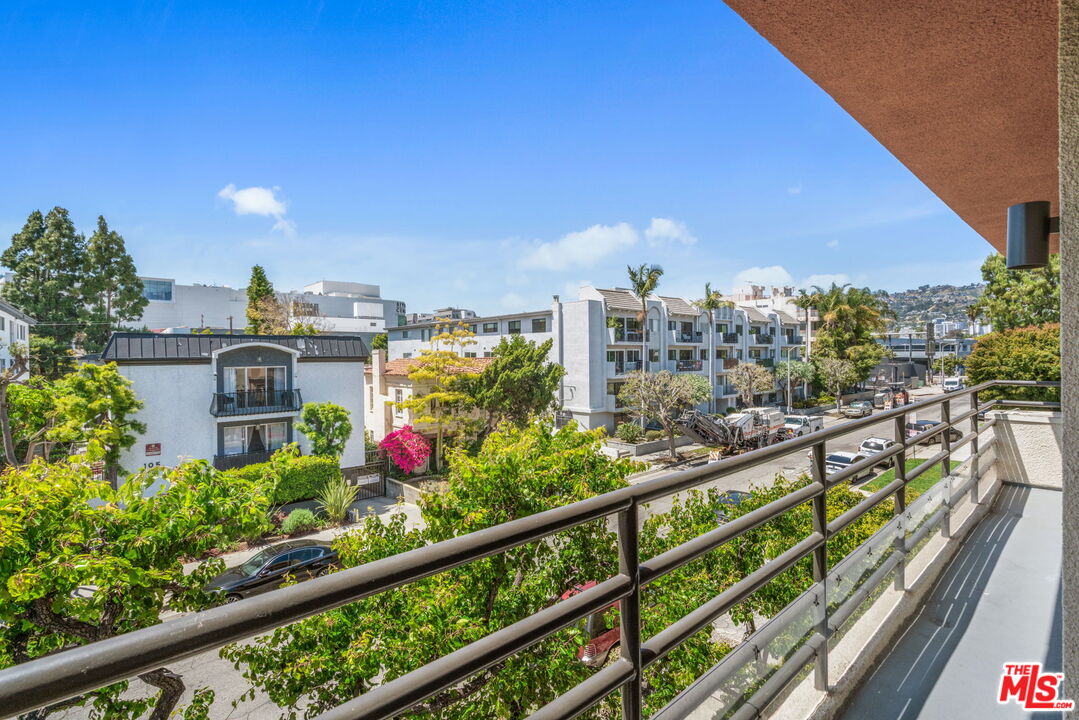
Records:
x=403, y=366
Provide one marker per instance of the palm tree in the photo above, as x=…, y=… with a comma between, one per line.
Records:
x=712, y=301
x=643, y=281
x=847, y=314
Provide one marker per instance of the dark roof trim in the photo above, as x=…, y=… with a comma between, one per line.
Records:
x=17, y=313
x=168, y=348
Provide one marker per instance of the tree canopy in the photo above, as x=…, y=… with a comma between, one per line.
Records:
x=113, y=288
x=518, y=385
x=750, y=379
x=1019, y=298
x=662, y=397
x=837, y=374
x=259, y=291
x=327, y=426
x=849, y=319
x=1031, y=353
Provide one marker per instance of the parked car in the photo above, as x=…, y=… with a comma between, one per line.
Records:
x=921, y=426
x=953, y=384
x=799, y=425
x=857, y=409
x=267, y=569
x=837, y=461
x=875, y=446
x=727, y=500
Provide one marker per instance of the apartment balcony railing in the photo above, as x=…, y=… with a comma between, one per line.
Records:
x=766, y=362
x=729, y=363
x=729, y=338
x=687, y=365
x=761, y=339
x=626, y=366
x=794, y=339
x=250, y=402
x=621, y=335
x=229, y=462
x=819, y=614
x=723, y=390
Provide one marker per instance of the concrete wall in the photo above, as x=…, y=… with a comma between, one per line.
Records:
x=176, y=410
x=1068, y=80
x=1029, y=447
x=340, y=383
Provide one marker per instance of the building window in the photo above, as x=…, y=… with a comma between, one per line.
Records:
x=514, y=327
x=672, y=354
x=722, y=353
x=610, y=356
x=672, y=325
x=257, y=386
x=491, y=327
x=721, y=328
x=402, y=320
x=3, y=322
x=398, y=398
x=653, y=356
x=755, y=353
x=539, y=325
x=704, y=354
x=260, y=438
x=157, y=290
x=472, y=328
x=470, y=354
x=488, y=353
x=404, y=334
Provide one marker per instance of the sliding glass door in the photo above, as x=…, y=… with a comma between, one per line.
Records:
x=257, y=386
x=258, y=438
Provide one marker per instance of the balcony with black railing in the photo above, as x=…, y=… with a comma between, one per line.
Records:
x=239, y=460
x=253, y=402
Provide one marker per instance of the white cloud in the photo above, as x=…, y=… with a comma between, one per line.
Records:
x=826, y=279
x=513, y=301
x=580, y=249
x=795, y=189
x=833, y=243
x=259, y=201
x=769, y=277
x=663, y=231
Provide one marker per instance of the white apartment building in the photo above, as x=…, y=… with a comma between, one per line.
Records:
x=14, y=330
x=341, y=307
x=599, y=340
x=234, y=399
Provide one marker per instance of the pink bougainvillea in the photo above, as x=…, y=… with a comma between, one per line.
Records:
x=407, y=449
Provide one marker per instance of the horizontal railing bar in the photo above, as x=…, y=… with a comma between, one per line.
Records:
x=926, y=435
x=34, y=684
x=676, y=557
x=837, y=617
x=586, y=694
x=925, y=528
x=767, y=692
x=958, y=491
x=1047, y=404
x=675, y=634
x=866, y=464
x=1023, y=383
x=865, y=506
x=963, y=440
x=396, y=696
x=967, y=415
x=926, y=464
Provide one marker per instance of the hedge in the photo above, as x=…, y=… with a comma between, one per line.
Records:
x=303, y=478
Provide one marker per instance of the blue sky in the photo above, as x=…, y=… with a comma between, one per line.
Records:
x=478, y=154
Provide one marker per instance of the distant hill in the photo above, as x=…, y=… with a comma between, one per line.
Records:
x=917, y=306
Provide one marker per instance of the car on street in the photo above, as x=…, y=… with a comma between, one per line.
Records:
x=727, y=500
x=268, y=568
x=881, y=398
x=875, y=446
x=920, y=426
x=953, y=384
x=857, y=409
x=799, y=425
x=838, y=461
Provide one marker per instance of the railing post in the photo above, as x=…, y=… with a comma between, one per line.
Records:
x=820, y=564
x=630, y=610
x=946, y=467
x=901, y=500
x=975, y=469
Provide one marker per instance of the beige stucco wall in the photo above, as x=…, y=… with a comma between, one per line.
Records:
x=1068, y=79
x=1028, y=447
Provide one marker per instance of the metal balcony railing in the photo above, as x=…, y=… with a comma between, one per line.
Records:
x=626, y=366
x=251, y=402
x=730, y=338
x=688, y=365
x=54, y=678
x=760, y=339
x=228, y=462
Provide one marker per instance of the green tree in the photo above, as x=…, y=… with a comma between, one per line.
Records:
x=1029, y=353
x=47, y=259
x=380, y=342
x=662, y=397
x=327, y=426
x=439, y=381
x=518, y=385
x=310, y=666
x=849, y=319
x=836, y=374
x=799, y=371
x=750, y=379
x=643, y=281
x=1018, y=298
x=712, y=301
x=259, y=291
x=112, y=285
x=64, y=532
x=95, y=405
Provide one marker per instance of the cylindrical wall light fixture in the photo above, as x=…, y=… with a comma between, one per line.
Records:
x=1029, y=226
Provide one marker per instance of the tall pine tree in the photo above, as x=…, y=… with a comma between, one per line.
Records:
x=47, y=259
x=113, y=287
x=259, y=291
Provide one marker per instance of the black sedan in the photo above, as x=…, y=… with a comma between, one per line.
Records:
x=267, y=569
x=921, y=426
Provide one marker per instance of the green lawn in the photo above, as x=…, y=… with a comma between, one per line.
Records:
x=915, y=488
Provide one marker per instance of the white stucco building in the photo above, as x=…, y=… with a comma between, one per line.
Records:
x=14, y=330
x=234, y=399
x=340, y=307
x=599, y=340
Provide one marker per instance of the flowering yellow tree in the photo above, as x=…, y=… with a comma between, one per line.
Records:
x=439, y=397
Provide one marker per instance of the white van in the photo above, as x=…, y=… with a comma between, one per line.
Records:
x=953, y=384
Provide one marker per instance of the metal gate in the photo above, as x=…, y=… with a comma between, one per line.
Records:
x=370, y=477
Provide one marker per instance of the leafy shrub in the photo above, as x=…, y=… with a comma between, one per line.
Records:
x=1031, y=353
x=823, y=399
x=654, y=435
x=628, y=432
x=304, y=478
x=336, y=498
x=299, y=520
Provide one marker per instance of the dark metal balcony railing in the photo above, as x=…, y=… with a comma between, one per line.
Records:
x=690, y=337
x=688, y=365
x=250, y=402
x=54, y=678
x=228, y=462
x=760, y=339
x=627, y=366
x=730, y=338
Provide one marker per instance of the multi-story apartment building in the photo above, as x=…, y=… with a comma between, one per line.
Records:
x=14, y=330
x=234, y=399
x=339, y=307
x=600, y=338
